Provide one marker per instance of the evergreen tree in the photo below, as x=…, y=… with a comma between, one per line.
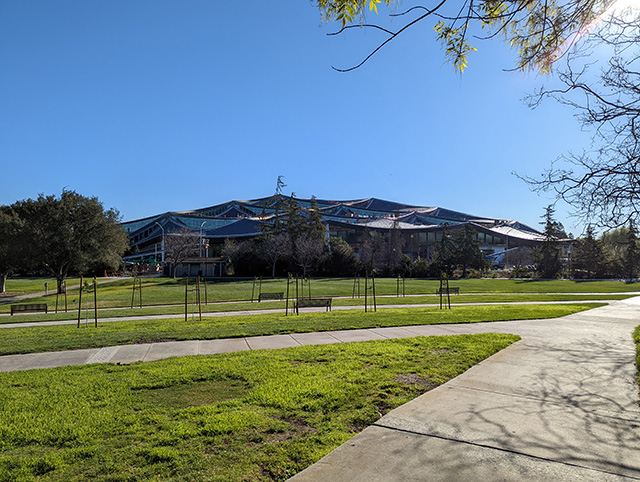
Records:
x=444, y=259
x=588, y=255
x=341, y=260
x=548, y=261
x=467, y=251
x=276, y=202
x=632, y=253
x=316, y=227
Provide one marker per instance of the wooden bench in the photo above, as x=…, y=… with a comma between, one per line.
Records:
x=314, y=303
x=270, y=296
x=29, y=308
x=452, y=290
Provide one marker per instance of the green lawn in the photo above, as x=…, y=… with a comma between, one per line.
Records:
x=88, y=312
x=250, y=416
x=157, y=293
x=68, y=337
x=21, y=286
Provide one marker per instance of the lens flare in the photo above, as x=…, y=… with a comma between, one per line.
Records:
x=618, y=8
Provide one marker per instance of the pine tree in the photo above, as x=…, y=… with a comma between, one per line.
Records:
x=548, y=254
x=588, y=254
x=444, y=257
x=632, y=253
x=467, y=250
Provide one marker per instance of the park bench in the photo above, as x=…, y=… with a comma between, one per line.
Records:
x=270, y=296
x=452, y=291
x=29, y=308
x=314, y=303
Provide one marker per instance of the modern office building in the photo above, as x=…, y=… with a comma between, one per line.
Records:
x=420, y=226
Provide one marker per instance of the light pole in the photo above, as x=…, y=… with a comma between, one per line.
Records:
x=201, y=237
x=162, y=246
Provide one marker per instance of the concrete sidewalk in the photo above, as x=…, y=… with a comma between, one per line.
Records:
x=560, y=405
x=146, y=352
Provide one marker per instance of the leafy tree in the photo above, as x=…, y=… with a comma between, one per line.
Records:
x=467, y=251
x=548, y=261
x=10, y=245
x=179, y=245
x=70, y=233
x=537, y=29
x=614, y=246
x=588, y=255
x=341, y=260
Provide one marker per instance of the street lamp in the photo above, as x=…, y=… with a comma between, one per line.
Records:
x=201, y=237
x=162, y=246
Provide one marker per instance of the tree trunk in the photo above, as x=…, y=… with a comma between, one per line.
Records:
x=273, y=270
x=3, y=282
x=60, y=282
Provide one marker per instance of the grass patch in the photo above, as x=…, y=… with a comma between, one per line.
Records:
x=68, y=337
x=276, y=412
x=22, y=286
x=196, y=394
x=164, y=291
x=88, y=312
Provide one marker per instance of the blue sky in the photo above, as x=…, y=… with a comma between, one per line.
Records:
x=164, y=105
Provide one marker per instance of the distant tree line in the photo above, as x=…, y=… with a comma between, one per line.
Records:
x=59, y=236
x=615, y=254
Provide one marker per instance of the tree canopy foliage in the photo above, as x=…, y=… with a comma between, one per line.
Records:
x=10, y=245
x=538, y=30
x=70, y=233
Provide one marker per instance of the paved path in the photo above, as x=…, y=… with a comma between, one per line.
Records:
x=560, y=405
